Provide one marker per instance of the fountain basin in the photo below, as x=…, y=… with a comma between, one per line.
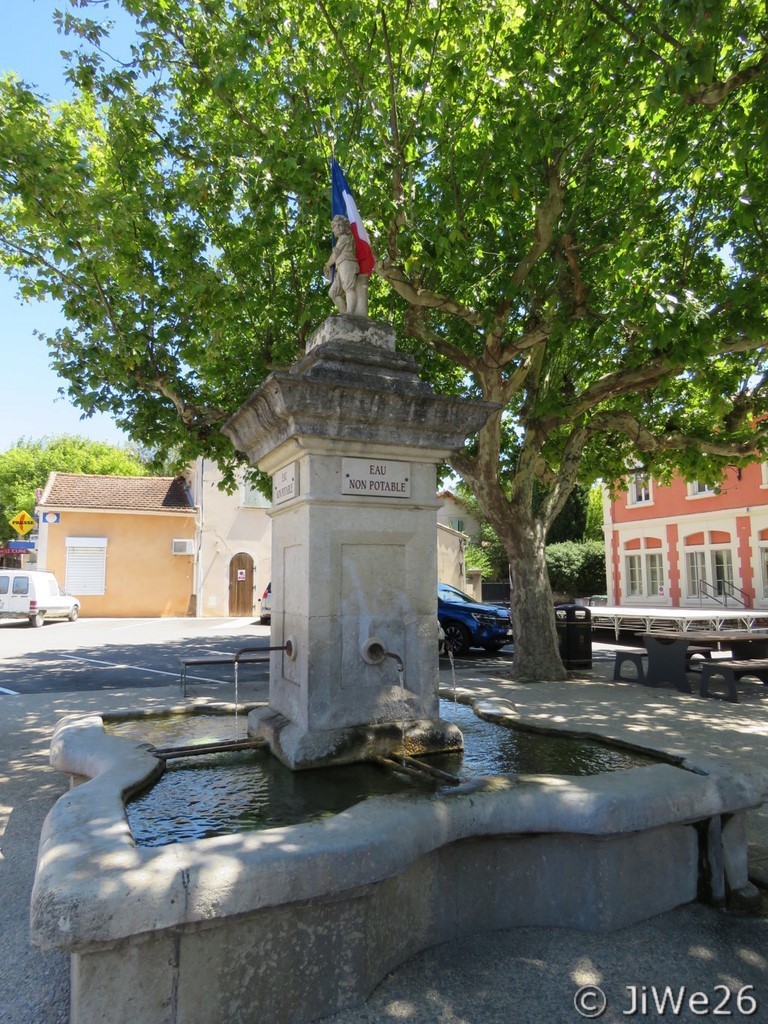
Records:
x=301, y=921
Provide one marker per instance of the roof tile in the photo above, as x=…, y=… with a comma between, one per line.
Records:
x=132, y=493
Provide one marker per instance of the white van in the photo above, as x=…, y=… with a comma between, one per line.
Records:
x=35, y=595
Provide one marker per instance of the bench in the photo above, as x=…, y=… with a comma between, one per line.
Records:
x=732, y=670
x=637, y=658
x=231, y=659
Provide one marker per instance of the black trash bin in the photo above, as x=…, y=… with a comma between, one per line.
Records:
x=574, y=634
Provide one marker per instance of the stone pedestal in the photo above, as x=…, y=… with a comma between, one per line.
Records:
x=351, y=437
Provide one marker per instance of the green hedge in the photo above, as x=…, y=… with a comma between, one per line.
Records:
x=577, y=569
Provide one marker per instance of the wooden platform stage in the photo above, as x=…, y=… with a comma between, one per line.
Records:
x=631, y=619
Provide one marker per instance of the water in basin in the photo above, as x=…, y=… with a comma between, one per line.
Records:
x=219, y=794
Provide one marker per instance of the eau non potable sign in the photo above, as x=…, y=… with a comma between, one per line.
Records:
x=376, y=478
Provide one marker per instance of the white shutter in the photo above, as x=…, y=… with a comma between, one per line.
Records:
x=86, y=566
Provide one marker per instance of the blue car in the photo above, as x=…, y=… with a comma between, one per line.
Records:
x=469, y=623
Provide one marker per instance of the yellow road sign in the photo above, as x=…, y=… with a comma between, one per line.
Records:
x=22, y=523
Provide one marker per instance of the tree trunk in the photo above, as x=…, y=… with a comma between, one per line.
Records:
x=537, y=654
x=523, y=534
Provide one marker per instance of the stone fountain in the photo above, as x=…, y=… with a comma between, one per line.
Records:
x=351, y=438
x=293, y=923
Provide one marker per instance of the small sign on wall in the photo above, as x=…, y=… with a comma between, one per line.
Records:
x=285, y=483
x=241, y=575
x=376, y=478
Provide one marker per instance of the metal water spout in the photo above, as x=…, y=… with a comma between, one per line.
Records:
x=397, y=659
x=373, y=652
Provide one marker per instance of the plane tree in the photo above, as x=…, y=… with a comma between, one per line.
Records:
x=567, y=203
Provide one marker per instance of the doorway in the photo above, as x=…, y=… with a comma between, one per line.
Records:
x=241, y=584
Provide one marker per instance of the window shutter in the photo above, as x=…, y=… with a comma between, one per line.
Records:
x=86, y=569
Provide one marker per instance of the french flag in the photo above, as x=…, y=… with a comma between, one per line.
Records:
x=343, y=202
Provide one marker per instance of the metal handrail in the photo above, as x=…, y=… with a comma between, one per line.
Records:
x=233, y=659
x=708, y=590
x=745, y=600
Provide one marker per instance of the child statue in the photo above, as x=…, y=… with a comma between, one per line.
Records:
x=349, y=288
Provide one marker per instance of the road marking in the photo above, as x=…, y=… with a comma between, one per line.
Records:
x=247, y=621
x=11, y=693
x=138, y=668
x=117, y=664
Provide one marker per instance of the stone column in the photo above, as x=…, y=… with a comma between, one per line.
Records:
x=351, y=437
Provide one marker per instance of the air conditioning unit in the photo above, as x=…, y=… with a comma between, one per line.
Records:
x=183, y=547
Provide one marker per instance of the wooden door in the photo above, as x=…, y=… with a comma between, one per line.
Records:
x=241, y=584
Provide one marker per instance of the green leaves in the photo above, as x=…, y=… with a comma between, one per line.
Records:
x=25, y=467
x=576, y=197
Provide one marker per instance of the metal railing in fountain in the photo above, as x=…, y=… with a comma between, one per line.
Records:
x=243, y=655
x=415, y=769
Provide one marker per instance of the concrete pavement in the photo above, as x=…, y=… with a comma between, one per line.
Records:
x=650, y=971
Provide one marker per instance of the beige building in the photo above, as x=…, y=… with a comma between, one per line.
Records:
x=234, y=563
x=450, y=556
x=454, y=515
x=124, y=545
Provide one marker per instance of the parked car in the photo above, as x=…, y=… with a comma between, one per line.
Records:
x=470, y=623
x=265, y=615
x=35, y=594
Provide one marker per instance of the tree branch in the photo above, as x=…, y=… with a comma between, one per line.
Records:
x=627, y=381
x=712, y=95
x=547, y=215
x=417, y=328
x=396, y=277
x=627, y=424
x=342, y=48
x=566, y=478
x=193, y=417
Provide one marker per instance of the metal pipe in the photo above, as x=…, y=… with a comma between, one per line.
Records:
x=218, y=747
x=396, y=766
x=396, y=658
x=415, y=769
x=437, y=773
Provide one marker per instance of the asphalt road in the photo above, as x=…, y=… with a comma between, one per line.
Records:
x=116, y=654
x=106, y=654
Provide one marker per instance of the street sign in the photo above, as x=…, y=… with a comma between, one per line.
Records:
x=22, y=523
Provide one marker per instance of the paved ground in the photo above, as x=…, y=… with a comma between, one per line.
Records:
x=694, y=962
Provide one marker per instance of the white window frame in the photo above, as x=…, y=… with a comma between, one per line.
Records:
x=655, y=586
x=633, y=562
x=722, y=549
x=697, y=555
x=696, y=489
x=639, y=491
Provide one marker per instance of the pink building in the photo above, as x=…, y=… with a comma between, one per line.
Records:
x=687, y=545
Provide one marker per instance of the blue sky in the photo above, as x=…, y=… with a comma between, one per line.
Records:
x=30, y=406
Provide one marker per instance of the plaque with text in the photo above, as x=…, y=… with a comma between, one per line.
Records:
x=285, y=484
x=376, y=478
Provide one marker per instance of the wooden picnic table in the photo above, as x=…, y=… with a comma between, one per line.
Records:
x=669, y=654
x=742, y=643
